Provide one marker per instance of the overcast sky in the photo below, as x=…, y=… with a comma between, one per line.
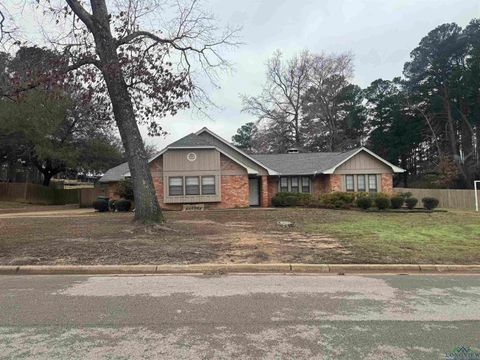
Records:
x=380, y=34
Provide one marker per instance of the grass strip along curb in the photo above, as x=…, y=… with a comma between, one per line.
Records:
x=236, y=268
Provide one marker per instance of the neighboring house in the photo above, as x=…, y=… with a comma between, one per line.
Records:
x=203, y=168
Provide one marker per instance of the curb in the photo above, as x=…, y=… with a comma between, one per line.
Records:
x=212, y=269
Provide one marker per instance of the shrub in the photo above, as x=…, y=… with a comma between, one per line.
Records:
x=404, y=195
x=382, y=202
x=397, y=202
x=411, y=202
x=100, y=205
x=111, y=204
x=286, y=199
x=430, y=203
x=124, y=189
x=291, y=201
x=123, y=205
x=337, y=199
x=364, y=202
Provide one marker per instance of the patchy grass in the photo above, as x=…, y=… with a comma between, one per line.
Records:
x=239, y=236
x=447, y=237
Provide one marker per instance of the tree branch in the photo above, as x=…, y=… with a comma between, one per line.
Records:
x=83, y=14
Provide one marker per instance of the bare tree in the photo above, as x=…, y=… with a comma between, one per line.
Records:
x=279, y=105
x=308, y=102
x=144, y=70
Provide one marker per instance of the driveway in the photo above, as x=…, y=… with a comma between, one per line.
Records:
x=242, y=316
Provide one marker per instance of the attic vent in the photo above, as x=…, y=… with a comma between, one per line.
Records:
x=292, y=151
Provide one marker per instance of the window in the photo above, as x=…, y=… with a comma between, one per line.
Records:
x=349, y=183
x=208, y=185
x=283, y=184
x=175, y=186
x=294, y=184
x=192, y=185
x=361, y=183
x=305, y=184
x=372, y=183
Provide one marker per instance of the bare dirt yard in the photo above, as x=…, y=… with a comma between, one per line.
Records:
x=240, y=236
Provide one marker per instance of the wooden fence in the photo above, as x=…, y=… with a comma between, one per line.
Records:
x=88, y=196
x=448, y=198
x=38, y=194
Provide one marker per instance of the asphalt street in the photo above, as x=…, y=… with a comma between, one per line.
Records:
x=238, y=316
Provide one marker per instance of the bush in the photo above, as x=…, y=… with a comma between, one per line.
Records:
x=338, y=199
x=100, y=205
x=287, y=199
x=382, y=202
x=404, y=195
x=124, y=189
x=111, y=204
x=430, y=203
x=411, y=202
x=123, y=205
x=397, y=202
x=364, y=202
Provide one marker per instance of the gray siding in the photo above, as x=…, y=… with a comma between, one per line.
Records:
x=175, y=163
x=233, y=153
x=363, y=163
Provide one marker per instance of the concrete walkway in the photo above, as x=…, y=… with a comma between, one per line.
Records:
x=238, y=316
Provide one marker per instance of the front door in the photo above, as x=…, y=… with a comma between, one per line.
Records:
x=254, y=193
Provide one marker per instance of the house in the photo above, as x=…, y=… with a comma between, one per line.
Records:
x=203, y=168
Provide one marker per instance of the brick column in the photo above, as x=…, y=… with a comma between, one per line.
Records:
x=264, y=198
x=387, y=183
x=335, y=182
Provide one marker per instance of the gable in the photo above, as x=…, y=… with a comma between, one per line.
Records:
x=365, y=163
x=232, y=152
x=191, y=160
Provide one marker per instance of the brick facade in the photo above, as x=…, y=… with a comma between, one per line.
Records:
x=234, y=185
x=264, y=196
x=272, y=188
x=335, y=182
x=234, y=188
x=387, y=183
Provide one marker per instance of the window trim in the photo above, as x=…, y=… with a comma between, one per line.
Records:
x=309, y=184
x=373, y=190
x=280, y=184
x=352, y=177
x=170, y=186
x=297, y=187
x=186, y=185
x=214, y=185
x=364, y=189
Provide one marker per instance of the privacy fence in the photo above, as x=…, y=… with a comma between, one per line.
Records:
x=448, y=198
x=38, y=194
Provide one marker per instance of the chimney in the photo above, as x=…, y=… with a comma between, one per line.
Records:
x=292, y=151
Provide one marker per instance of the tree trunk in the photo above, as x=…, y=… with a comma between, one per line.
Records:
x=147, y=208
x=452, y=134
x=47, y=176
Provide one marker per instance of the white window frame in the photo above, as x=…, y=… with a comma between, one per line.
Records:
x=214, y=185
x=352, y=177
x=197, y=185
x=182, y=186
x=363, y=176
x=376, y=182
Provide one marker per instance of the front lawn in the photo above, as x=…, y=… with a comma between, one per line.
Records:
x=240, y=236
